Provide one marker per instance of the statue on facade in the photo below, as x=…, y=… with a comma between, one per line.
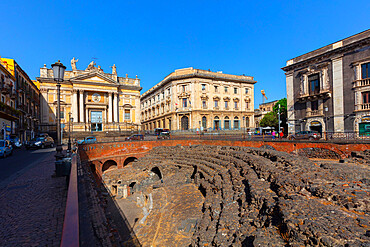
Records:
x=73, y=63
x=114, y=69
x=100, y=69
x=91, y=66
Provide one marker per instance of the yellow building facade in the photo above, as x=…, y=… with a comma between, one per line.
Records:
x=190, y=99
x=97, y=101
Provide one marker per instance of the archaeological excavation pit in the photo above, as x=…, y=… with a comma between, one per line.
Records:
x=203, y=195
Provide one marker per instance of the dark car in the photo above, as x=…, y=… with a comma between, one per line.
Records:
x=40, y=142
x=135, y=137
x=309, y=135
x=164, y=135
x=5, y=148
x=16, y=143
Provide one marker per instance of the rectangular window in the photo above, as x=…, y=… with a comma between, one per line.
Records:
x=185, y=102
x=183, y=88
x=226, y=88
x=365, y=70
x=216, y=103
x=366, y=97
x=226, y=104
x=203, y=87
x=235, y=90
x=204, y=104
x=314, y=83
x=216, y=89
x=61, y=113
x=236, y=105
x=314, y=105
x=2, y=99
x=169, y=91
x=247, y=105
x=246, y=90
x=127, y=115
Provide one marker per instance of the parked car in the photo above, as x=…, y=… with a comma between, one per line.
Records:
x=164, y=135
x=5, y=148
x=40, y=142
x=87, y=140
x=16, y=143
x=310, y=135
x=134, y=137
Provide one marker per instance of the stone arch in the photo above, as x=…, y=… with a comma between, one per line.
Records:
x=129, y=160
x=308, y=124
x=109, y=165
x=157, y=172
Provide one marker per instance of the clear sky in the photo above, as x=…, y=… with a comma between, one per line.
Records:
x=153, y=38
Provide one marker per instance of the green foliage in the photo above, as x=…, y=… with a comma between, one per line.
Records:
x=270, y=120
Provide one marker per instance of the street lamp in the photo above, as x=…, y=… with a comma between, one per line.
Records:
x=69, y=132
x=326, y=109
x=244, y=125
x=58, y=71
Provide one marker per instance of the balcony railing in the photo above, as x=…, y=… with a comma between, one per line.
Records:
x=315, y=113
x=362, y=107
x=362, y=82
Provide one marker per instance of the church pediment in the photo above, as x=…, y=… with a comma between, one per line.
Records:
x=93, y=77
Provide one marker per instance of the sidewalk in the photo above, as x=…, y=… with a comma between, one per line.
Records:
x=32, y=207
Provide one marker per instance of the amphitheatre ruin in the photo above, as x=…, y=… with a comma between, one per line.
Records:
x=229, y=193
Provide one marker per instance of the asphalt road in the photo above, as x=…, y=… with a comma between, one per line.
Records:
x=20, y=161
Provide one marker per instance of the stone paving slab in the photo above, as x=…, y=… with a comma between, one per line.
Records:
x=32, y=207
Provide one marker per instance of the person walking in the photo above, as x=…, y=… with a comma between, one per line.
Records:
x=273, y=135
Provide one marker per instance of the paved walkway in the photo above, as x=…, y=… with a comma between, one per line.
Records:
x=32, y=206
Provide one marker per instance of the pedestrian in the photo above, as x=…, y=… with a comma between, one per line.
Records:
x=281, y=134
x=273, y=135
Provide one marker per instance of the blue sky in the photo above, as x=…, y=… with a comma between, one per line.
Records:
x=153, y=38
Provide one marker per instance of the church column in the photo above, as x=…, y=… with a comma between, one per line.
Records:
x=74, y=105
x=82, y=115
x=110, y=107
x=115, y=107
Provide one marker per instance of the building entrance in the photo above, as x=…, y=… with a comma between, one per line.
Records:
x=316, y=126
x=96, y=120
x=185, y=123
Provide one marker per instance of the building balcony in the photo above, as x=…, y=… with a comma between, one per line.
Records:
x=216, y=108
x=361, y=83
x=227, y=108
x=236, y=108
x=322, y=94
x=315, y=113
x=362, y=107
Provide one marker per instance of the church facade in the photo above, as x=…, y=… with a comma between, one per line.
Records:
x=92, y=99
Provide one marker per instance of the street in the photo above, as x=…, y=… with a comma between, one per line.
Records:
x=21, y=159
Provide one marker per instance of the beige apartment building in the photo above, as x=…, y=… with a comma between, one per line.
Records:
x=96, y=100
x=191, y=99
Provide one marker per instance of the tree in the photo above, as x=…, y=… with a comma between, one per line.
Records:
x=270, y=120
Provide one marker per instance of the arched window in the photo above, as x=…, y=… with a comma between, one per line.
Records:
x=226, y=123
x=204, y=122
x=236, y=123
x=217, y=123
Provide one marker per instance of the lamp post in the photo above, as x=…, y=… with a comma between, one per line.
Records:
x=326, y=109
x=69, y=132
x=244, y=125
x=58, y=71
